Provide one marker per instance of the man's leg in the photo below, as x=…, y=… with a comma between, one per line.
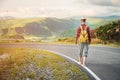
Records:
x=85, y=54
x=81, y=53
x=80, y=60
x=84, y=60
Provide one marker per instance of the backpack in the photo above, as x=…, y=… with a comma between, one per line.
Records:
x=83, y=35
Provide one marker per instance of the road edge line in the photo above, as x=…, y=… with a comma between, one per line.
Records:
x=89, y=70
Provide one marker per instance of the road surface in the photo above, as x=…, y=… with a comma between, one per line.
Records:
x=103, y=61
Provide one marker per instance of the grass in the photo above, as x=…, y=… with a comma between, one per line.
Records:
x=24, y=63
x=20, y=41
x=94, y=41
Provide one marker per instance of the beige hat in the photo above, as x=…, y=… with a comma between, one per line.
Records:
x=82, y=18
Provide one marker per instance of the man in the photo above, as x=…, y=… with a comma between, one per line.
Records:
x=84, y=41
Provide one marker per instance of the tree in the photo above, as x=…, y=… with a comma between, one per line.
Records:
x=109, y=32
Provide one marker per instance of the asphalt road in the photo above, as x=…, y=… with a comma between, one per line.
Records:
x=103, y=61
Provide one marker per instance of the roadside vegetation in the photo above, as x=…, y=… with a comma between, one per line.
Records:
x=33, y=64
x=20, y=40
x=107, y=34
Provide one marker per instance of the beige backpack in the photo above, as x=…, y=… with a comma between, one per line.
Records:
x=83, y=35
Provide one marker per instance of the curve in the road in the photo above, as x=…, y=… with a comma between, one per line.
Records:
x=88, y=70
x=103, y=61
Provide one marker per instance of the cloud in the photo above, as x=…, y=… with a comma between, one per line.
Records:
x=101, y=7
x=59, y=8
x=44, y=12
x=60, y=13
x=112, y=11
x=101, y=2
x=38, y=12
x=116, y=2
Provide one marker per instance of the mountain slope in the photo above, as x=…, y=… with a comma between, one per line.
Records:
x=37, y=27
x=68, y=33
x=24, y=28
x=91, y=22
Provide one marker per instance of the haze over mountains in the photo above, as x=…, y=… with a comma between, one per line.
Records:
x=47, y=27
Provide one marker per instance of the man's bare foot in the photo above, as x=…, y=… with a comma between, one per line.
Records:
x=80, y=62
x=83, y=65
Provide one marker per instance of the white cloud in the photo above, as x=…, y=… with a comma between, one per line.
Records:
x=59, y=8
x=101, y=2
x=43, y=12
x=116, y=2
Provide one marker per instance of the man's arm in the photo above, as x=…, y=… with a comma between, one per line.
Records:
x=89, y=34
x=77, y=34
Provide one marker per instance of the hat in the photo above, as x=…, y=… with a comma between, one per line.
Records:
x=83, y=18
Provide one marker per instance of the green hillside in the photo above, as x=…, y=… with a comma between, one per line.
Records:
x=91, y=22
x=67, y=34
x=34, y=27
x=18, y=22
x=96, y=22
x=110, y=32
x=43, y=28
x=8, y=28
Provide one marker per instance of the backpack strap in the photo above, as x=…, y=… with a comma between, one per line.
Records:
x=82, y=28
x=86, y=27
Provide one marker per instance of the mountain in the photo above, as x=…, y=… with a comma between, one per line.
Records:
x=34, y=27
x=108, y=17
x=6, y=17
x=44, y=27
x=91, y=22
x=67, y=34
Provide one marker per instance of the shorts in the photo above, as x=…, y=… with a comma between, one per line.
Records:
x=83, y=49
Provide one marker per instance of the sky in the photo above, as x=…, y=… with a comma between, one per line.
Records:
x=59, y=8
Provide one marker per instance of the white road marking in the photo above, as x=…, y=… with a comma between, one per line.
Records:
x=90, y=71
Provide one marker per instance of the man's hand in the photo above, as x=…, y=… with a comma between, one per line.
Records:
x=89, y=41
x=75, y=42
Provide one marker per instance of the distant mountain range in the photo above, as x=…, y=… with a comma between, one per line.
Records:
x=100, y=17
x=6, y=17
x=34, y=27
x=108, y=17
x=42, y=28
